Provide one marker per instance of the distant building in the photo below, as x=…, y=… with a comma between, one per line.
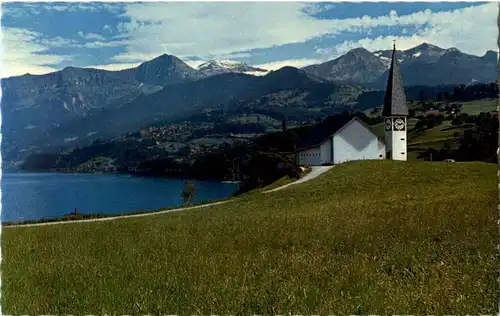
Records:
x=345, y=138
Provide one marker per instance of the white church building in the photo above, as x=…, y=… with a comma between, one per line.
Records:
x=346, y=138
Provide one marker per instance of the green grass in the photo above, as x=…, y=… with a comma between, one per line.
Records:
x=442, y=131
x=283, y=181
x=477, y=106
x=379, y=237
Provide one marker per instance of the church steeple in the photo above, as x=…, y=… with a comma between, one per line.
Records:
x=395, y=99
x=395, y=112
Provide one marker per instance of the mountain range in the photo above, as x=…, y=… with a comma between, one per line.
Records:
x=85, y=103
x=424, y=65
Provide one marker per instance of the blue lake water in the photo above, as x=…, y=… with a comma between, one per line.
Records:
x=33, y=196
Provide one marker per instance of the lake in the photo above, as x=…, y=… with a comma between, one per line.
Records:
x=33, y=196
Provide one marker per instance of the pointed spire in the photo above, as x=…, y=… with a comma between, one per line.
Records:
x=395, y=99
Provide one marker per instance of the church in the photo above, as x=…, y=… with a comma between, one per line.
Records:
x=345, y=137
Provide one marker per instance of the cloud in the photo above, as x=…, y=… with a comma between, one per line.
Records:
x=91, y=36
x=459, y=28
x=23, y=53
x=216, y=28
x=219, y=29
x=114, y=67
x=316, y=8
x=194, y=63
x=297, y=63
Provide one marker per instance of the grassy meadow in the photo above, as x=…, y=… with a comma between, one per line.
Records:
x=368, y=237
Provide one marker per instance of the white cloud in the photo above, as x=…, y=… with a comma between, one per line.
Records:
x=473, y=30
x=21, y=54
x=114, y=67
x=91, y=36
x=186, y=29
x=194, y=63
x=315, y=8
x=297, y=63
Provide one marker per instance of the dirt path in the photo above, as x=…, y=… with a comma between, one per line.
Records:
x=315, y=172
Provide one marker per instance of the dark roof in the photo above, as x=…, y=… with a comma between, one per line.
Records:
x=327, y=128
x=395, y=99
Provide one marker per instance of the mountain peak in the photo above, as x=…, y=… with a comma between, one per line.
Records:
x=357, y=65
x=359, y=50
x=426, y=46
x=216, y=67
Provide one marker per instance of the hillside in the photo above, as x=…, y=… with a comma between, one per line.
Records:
x=365, y=238
x=182, y=100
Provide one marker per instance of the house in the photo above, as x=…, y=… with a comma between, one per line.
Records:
x=345, y=137
x=349, y=138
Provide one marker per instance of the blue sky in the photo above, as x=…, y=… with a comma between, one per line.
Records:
x=43, y=37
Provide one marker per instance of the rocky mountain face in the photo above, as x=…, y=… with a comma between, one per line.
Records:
x=357, y=66
x=425, y=64
x=181, y=100
x=163, y=70
x=213, y=67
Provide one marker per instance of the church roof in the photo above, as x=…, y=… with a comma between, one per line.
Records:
x=395, y=99
x=327, y=128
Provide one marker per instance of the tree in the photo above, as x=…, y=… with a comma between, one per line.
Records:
x=189, y=193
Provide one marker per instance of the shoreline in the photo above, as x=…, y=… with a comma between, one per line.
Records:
x=81, y=218
x=112, y=217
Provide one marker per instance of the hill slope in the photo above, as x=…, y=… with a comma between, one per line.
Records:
x=182, y=100
x=366, y=237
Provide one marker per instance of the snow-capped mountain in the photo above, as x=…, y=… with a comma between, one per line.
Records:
x=425, y=64
x=423, y=52
x=217, y=67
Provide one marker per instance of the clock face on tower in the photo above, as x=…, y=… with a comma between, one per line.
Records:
x=388, y=124
x=399, y=124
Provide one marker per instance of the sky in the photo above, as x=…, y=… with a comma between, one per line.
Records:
x=41, y=37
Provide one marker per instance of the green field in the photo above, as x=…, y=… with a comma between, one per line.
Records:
x=441, y=132
x=477, y=106
x=378, y=237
